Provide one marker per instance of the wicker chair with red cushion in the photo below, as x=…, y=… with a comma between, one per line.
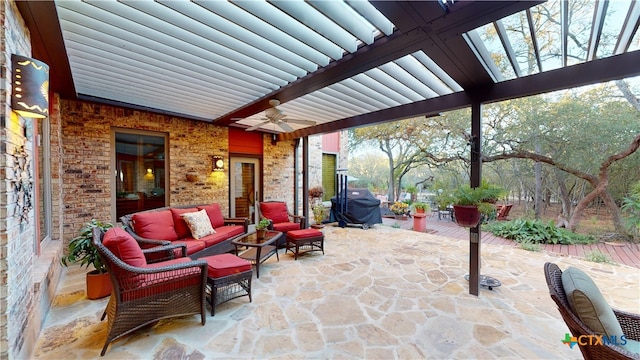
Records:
x=280, y=217
x=145, y=291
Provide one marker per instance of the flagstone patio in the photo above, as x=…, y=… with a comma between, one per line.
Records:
x=382, y=293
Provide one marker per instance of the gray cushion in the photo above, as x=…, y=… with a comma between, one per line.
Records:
x=588, y=304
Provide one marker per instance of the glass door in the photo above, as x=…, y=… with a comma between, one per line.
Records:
x=244, y=187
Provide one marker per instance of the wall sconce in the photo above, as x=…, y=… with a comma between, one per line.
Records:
x=30, y=83
x=217, y=164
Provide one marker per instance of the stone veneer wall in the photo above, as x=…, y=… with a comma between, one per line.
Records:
x=87, y=152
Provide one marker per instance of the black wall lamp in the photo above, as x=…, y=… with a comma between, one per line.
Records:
x=218, y=164
x=30, y=87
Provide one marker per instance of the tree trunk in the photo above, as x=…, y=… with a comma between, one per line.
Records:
x=564, y=194
x=538, y=192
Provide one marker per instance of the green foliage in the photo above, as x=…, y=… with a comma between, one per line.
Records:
x=443, y=200
x=81, y=249
x=597, y=256
x=530, y=246
x=263, y=224
x=421, y=206
x=535, y=231
x=631, y=209
x=411, y=189
x=483, y=196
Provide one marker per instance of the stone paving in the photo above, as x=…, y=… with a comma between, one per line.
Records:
x=382, y=293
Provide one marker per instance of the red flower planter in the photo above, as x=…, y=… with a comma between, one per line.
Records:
x=466, y=215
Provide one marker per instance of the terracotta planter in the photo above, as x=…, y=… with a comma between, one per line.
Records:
x=98, y=285
x=466, y=215
x=419, y=211
x=260, y=233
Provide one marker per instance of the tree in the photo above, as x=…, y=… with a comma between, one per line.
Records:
x=397, y=140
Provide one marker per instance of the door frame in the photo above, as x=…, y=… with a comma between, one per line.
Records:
x=233, y=160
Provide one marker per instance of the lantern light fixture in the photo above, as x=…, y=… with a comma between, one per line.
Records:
x=30, y=87
x=217, y=164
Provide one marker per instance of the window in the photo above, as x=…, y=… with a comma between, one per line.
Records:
x=43, y=179
x=139, y=171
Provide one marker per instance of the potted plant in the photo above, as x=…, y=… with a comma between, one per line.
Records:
x=316, y=192
x=471, y=203
x=421, y=208
x=318, y=214
x=261, y=228
x=399, y=209
x=82, y=251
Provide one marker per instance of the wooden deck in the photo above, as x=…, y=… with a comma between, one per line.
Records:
x=621, y=253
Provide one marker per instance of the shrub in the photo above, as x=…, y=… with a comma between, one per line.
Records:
x=631, y=210
x=535, y=231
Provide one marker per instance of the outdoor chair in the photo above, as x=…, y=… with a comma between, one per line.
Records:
x=503, y=212
x=591, y=308
x=280, y=217
x=145, y=292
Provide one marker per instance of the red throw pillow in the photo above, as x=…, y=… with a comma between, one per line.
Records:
x=156, y=225
x=179, y=225
x=124, y=246
x=215, y=214
x=276, y=211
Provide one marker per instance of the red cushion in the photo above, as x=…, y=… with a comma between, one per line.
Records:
x=179, y=225
x=304, y=233
x=226, y=264
x=286, y=226
x=275, y=211
x=193, y=246
x=215, y=215
x=222, y=233
x=124, y=246
x=155, y=225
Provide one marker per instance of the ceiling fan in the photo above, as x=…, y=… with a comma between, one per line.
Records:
x=275, y=116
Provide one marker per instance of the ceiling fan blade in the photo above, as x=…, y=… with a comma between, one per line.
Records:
x=301, y=122
x=257, y=126
x=284, y=126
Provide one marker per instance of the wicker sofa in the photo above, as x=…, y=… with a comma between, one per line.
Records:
x=163, y=226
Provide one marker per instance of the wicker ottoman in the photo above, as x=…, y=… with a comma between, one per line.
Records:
x=228, y=277
x=307, y=239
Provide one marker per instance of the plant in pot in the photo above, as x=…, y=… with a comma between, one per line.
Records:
x=421, y=207
x=399, y=209
x=471, y=203
x=81, y=251
x=318, y=214
x=261, y=228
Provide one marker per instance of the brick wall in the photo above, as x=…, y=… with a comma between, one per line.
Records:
x=87, y=151
x=16, y=235
x=278, y=167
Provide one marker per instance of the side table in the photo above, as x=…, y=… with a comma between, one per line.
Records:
x=259, y=250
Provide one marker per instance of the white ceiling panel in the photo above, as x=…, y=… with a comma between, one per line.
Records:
x=214, y=59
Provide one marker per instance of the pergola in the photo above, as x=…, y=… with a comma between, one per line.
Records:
x=339, y=64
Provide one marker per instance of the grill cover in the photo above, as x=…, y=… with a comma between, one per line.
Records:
x=362, y=208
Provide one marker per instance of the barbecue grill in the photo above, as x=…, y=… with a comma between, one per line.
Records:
x=354, y=206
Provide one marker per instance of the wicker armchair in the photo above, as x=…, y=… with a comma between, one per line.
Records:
x=155, y=290
x=630, y=323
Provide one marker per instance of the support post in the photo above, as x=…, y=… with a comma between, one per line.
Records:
x=476, y=175
x=305, y=178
